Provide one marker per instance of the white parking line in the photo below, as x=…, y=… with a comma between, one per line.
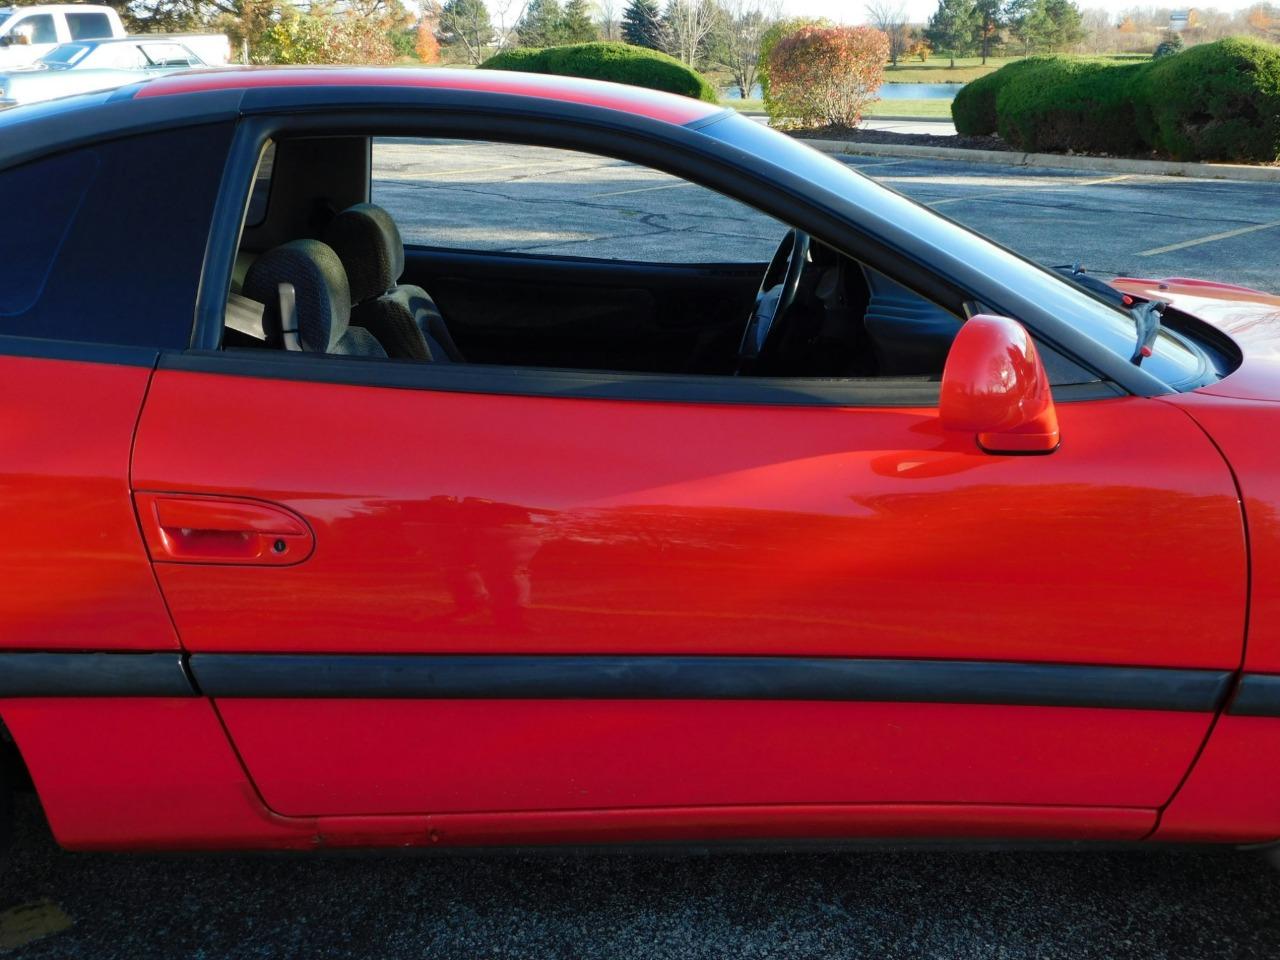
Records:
x=1066, y=185
x=619, y=193
x=1225, y=235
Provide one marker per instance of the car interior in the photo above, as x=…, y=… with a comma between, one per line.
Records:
x=321, y=269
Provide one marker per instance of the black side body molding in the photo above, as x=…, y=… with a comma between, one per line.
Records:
x=1257, y=696
x=713, y=678
x=93, y=675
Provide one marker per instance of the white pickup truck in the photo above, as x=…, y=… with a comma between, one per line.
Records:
x=28, y=33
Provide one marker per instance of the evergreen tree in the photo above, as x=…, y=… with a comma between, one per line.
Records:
x=642, y=24
x=952, y=28
x=989, y=24
x=577, y=26
x=1045, y=24
x=541, y=25
x=1068, y=23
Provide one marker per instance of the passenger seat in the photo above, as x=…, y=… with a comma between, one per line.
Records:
x=321, y=295
x=404, y=318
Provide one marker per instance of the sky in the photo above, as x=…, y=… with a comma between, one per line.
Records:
x=851, y=11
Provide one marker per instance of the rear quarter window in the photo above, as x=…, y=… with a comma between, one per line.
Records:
x=88, y=26
x=111, y=241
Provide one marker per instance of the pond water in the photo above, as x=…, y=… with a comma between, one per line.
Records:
x=890, y=91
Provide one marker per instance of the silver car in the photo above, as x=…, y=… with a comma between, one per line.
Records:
x=90, y=65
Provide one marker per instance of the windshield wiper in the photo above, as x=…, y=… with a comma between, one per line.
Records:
x=1146, y=317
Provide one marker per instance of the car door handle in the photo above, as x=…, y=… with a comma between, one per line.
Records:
x=202, y=528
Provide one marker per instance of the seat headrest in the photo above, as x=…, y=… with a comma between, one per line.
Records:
x=320, y=287
x=368, y=242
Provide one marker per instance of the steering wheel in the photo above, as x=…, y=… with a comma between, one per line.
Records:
x=774, y=299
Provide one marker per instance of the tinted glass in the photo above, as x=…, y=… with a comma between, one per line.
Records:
x=64, y=55
x=40, y=27
x=113, y=239
x=88, y=26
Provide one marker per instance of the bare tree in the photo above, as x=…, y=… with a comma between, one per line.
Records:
x=744, y=26
x=687, y=26
x=609, y=18
x=507, y=15
x=890, y=18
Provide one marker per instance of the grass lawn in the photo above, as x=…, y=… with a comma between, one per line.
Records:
x=938, y=70
x=911, y=108
x=881, y=108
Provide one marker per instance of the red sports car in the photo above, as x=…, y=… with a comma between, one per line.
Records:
x=314, y=538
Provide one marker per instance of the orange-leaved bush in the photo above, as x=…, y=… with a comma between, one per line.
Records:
x=825, y=76
x=425, y=44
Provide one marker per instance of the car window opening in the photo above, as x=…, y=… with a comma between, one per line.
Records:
x=505, y=254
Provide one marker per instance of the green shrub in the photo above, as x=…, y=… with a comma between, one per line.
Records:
x=525, y=59
x=1216, y=101
x=618, y=62
x=1062, y=103
x=974, y=108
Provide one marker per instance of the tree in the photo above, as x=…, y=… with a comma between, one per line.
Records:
x=642, y=24
x=742, y=29
x=890, y=18
x=542, y=24
x=687, y=26
x=576, y=25
x=426, y=46
x=1067, y=23
x=1028, y=23
x=952, y=28
x=610, y=26
x=988, y=15
x=465, y=24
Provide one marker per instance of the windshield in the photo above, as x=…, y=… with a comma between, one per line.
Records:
x=5, y=15
x=65, y=56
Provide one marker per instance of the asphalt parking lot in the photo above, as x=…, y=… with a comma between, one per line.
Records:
x=864, y=903
x=529, y=199
x=875, y=905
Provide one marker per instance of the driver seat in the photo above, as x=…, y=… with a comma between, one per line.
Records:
x=404, y=318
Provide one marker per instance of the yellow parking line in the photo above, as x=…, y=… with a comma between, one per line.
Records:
x=1225, y=235
x=1033, y=189
x=618, y=193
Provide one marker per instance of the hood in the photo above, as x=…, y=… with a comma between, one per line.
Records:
x=1251, y=318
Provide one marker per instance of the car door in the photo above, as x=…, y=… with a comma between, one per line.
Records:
x=677, y=577
x=475, y=590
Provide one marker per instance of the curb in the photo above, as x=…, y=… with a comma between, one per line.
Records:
x=1152, y=168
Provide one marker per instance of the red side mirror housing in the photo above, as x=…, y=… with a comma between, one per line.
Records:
x=994, y=386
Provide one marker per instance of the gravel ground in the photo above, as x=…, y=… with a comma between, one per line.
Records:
x=880, y=905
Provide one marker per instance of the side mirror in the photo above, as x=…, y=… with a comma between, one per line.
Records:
x=994, y=386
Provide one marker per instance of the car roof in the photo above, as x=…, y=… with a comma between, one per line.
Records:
x=627, y=99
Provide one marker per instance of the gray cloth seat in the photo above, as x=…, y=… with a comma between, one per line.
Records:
x=322, y=297
x=403, y=317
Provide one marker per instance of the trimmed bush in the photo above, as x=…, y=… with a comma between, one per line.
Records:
x=1062, y=104
x=974, y=108
x=618, y=62
x=1218, y=101
x=825, y=75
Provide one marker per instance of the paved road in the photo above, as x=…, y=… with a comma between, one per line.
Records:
x=881, y=906
x=878, y=905
x=530, y=199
